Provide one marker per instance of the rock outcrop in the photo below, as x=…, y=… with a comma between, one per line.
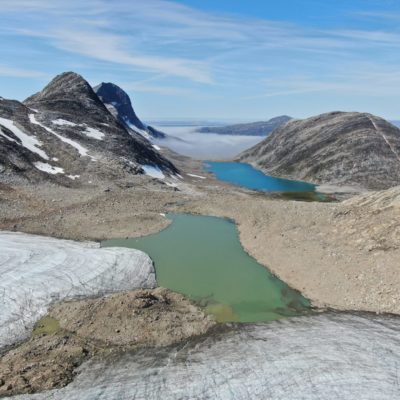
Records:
x=337, y=148
x=119, y=104
x=65, y=133
x=75, y=331
x=372, y=220
x=262, y=128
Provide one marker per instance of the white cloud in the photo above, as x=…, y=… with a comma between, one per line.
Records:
x=14, y=72
x=111, y=48
x=166, y=41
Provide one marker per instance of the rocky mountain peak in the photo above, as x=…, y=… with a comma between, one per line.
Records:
x=339, y=148
x=120, y=106
x=65, y=134
x=118, y=103
x=68, y=87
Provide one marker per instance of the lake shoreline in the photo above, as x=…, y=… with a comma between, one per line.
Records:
x=313, y=247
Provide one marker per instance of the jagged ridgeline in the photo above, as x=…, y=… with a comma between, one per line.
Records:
x=338, y=148
x=65, y=133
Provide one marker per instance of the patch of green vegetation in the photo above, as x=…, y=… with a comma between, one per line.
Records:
x=46, y=325
x=306, y=196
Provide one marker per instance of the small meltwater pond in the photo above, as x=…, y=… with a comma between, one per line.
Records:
x=245, y=175
x=202, y=258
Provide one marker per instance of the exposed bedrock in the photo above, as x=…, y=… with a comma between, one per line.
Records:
x=338, y=148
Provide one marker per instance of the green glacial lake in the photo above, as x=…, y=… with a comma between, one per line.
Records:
x=202, y=258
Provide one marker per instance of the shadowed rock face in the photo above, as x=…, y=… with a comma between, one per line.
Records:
x=336, y=148
x=119, y=104
x=262, y=128
x=66, y=131
x=14, y=157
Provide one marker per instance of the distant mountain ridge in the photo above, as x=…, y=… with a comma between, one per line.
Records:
x=338, y=148
x=261, y=128
x=119, y=104
x=66, y=134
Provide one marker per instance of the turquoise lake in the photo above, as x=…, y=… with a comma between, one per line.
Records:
x=245, y=175
x=202, y=258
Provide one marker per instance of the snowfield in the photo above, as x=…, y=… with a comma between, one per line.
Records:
x=49, y=169
x=28, y=141
x=196, y=176
x=63, y=122
x=93, y=133
x=328, y=356
x=152, y=171
x=37, y=270
x=81, y=150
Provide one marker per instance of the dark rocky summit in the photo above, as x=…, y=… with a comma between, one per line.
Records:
x=335, y=148
x=119, y=104
x=262, y=128
x=65, y=133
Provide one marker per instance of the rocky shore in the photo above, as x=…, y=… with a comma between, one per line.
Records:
x=342, y=255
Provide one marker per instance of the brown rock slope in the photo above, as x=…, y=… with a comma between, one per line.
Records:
x=335, y=148
x=75, y=331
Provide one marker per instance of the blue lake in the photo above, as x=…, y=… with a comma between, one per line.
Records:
x=245, y=175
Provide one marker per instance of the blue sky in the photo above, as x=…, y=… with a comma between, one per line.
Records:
x=221, y=59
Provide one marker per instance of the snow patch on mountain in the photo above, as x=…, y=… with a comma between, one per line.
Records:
x=81, y=150
x=49, y=169
x=63, y=122
x=27, y=141
x=94, y=133
x=152, y=171
x=136, y=129
x=196, y=176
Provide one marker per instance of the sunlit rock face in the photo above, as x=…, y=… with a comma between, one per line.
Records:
x=328, y=356
x=66, y=135
x=341, y=148
x=37, y=270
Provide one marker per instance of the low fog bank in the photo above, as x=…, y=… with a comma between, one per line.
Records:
x=204, y=146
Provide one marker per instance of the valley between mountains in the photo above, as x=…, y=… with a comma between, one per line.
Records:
x=77, y=164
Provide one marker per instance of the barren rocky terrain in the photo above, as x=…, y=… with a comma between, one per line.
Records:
x=75, y=331
x=341, y=255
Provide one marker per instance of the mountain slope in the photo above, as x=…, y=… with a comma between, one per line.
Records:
x=262, y=128
x=119, y=104
x=337, y=148
x=65, y=132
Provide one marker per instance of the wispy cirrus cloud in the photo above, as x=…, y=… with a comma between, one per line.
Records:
x=99, y=35
x=8, y=71
x=385, y=83
x=112, y=48
x=167, y=47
